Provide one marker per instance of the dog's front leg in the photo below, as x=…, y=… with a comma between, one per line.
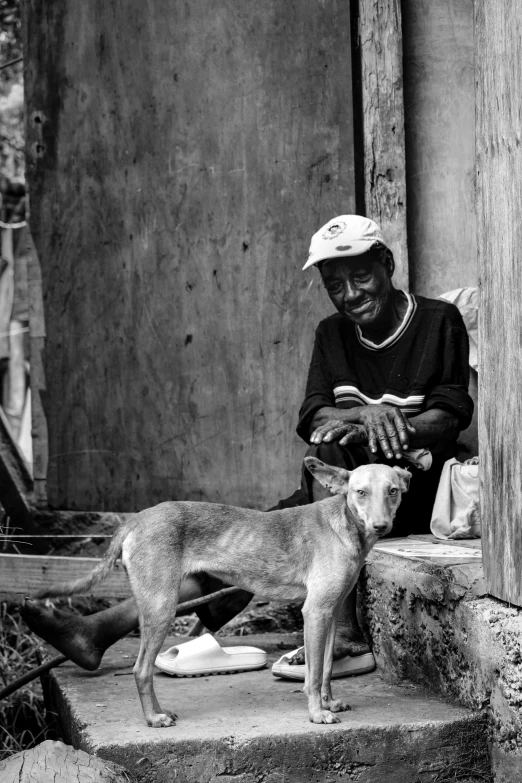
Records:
x=328, y=702
x=317, y=622
x=326, y=687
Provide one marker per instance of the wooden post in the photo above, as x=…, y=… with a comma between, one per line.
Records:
x=439, y=109
x=380, y=37
x=38, y=386
x=498, y=54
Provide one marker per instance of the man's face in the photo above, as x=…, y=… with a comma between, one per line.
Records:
x=359, y=287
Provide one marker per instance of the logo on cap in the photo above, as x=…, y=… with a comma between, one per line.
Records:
x=343, y=247
x=334, y=230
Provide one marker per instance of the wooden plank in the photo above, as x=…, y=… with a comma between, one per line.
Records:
x=498, y=54
x=16, y=484
x=380, y=41
x=23, y=575
x=439, y=106
x=179, y=323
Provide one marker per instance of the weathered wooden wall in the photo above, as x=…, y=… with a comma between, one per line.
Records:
x=439, y=109
x=498, y=56
x=179, y=157
x=380, y=41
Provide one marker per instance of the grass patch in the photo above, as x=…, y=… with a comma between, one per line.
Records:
x=24, y=721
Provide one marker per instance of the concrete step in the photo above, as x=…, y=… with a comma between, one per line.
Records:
x=431, y=621
x=253, y=728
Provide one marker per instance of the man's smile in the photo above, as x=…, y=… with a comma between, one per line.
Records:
x=360, y=308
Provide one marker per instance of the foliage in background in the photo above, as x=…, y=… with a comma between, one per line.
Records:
x=24, y=722
x=11, y=93
x=10, y=36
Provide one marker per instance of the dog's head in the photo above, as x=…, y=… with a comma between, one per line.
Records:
x=373, y=492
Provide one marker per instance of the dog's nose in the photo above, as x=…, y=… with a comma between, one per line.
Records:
x=381, y=528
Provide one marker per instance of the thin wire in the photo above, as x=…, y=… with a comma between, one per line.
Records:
x=11, y=62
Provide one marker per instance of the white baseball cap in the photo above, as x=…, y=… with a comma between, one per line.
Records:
x=344, y=236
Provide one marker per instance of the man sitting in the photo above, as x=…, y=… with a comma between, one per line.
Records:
x=388, y=375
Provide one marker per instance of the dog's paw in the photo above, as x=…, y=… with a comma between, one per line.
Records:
x=162, y=720
x=338, y=705
x=323, y=716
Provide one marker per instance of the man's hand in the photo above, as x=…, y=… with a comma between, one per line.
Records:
x=343, y=431
x=380, y=426
x=386, y=427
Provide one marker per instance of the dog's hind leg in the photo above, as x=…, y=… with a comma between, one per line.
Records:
x=156, y=616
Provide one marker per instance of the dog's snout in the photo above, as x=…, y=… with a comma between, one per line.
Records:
x=381, y=527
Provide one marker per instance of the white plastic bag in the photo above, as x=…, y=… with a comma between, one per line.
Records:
x=456, y=513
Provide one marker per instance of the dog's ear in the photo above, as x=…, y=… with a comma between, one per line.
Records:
x=334, y=479
x=404, y=477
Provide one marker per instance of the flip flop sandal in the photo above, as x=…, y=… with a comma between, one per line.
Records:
x=204, y=656
x=344, y=667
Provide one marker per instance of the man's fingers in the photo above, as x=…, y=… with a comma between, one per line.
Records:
x=384, y=442
x=354, y=435
x=335, y=430
x=318, y=435
x=403, y=427
x=395, y=440
x=372, y=439
x=338, y=432
x=322, y=432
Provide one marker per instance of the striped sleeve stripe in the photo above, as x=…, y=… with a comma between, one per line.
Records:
x=352, y=394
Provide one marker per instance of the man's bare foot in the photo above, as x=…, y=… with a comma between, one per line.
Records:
x=347, y=642
x=72, y=635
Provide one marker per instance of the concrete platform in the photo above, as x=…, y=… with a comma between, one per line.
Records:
x=254, y=728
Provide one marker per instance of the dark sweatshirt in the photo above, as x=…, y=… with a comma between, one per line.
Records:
x=424, y=365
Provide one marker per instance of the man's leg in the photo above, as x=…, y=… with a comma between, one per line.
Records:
x=84, y=639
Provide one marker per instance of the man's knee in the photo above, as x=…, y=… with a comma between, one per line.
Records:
x=349, y=457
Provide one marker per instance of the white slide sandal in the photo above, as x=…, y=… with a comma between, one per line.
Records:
x=204, y=656
x=344, y=667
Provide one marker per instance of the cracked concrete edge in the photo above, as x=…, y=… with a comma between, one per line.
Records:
x=445, y=582
x=433, y=625
x=364, y=754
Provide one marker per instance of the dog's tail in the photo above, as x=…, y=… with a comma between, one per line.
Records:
x=98, y=573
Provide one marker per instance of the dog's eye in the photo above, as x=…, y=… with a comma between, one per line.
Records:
x=361, y=493
x=393, y=491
